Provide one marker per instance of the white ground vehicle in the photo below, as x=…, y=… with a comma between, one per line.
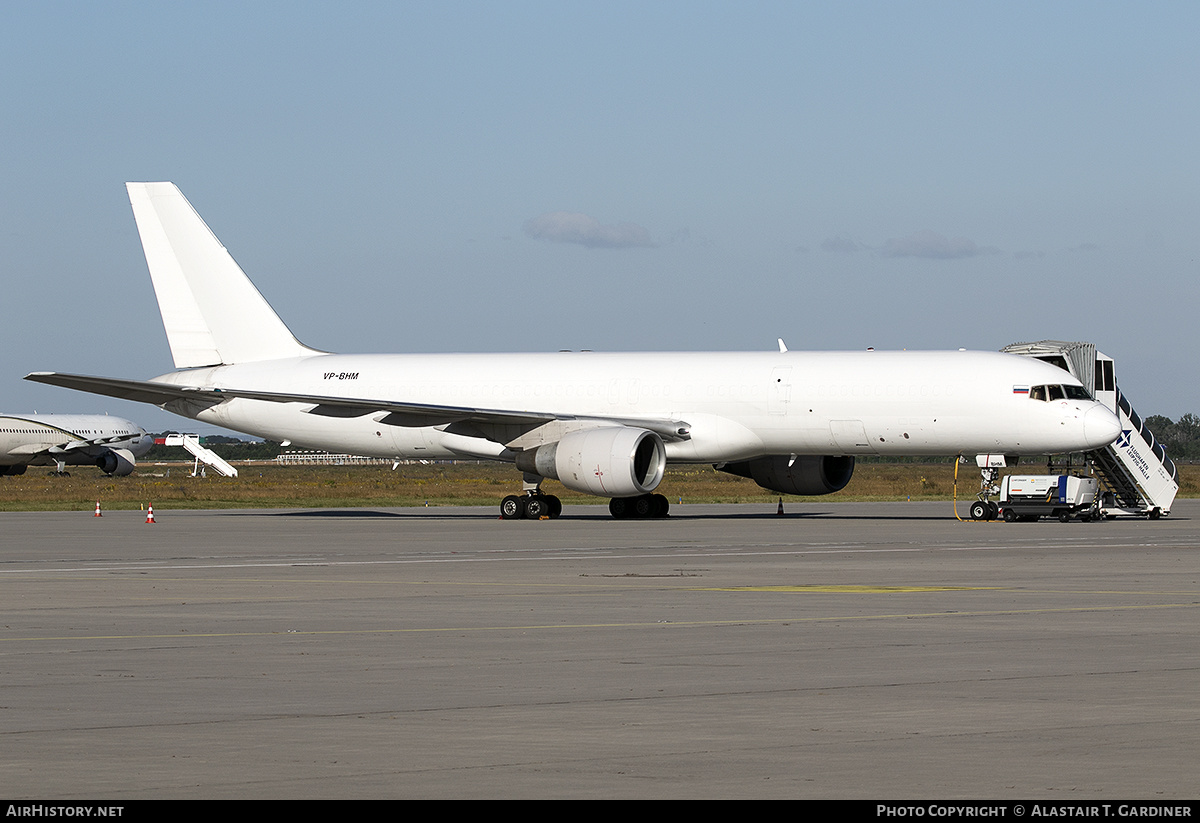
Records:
x=1033, y=496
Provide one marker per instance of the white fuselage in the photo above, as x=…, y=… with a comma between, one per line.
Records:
x=737, y=405
x=603, y=424
x=71, y=439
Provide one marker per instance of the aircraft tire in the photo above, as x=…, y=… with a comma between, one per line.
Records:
x=512, y=508
x=979, y=510
x=642, y=506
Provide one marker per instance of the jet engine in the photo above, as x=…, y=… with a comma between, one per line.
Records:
x=806, y=475
x=612, y=461
x=117, y=461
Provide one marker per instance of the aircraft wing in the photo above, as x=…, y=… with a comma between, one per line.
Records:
x=29, y=450
x=396, y=413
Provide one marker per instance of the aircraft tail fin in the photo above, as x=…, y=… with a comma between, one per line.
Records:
x=211, y=311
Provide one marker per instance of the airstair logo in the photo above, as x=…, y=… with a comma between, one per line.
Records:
x=1125, y=441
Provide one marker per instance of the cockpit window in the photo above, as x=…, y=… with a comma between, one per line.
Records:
x=1058, y=393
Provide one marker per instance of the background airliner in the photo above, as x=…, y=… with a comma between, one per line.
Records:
x=604, y=424
x=63, y=440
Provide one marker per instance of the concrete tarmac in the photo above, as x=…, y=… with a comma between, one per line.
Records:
x=844, y=650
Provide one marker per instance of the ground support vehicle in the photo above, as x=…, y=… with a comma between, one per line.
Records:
x=1032, y=497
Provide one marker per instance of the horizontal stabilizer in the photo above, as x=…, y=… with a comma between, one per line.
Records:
x=140, y=391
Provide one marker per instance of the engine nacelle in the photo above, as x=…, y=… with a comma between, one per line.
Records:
x=117, y=461
x=613, y=461
x=808, y=474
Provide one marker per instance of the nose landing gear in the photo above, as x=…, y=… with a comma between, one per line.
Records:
x=984, y=508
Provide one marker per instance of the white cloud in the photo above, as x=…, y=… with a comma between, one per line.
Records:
x=840, y=244
x=930, y=244
x=572, y=227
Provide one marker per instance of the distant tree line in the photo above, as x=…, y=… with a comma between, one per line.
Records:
x=230, y=448
x=1180, y=438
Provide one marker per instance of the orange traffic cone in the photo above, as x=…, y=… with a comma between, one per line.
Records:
x=97, y=514
x=780, y=509
x=150, y=513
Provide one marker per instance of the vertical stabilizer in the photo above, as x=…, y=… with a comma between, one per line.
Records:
x=211, y=311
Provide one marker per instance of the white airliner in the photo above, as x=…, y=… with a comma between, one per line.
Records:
x=604, y=424
x=65, y=440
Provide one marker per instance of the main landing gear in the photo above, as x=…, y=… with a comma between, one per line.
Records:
x=536, y=506
x=645, y=505
x=531, y=506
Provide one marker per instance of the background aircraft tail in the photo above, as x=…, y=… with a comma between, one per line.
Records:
x=211, y=311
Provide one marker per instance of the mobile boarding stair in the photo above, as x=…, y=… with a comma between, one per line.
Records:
x=1137, y=475
x=209, y=457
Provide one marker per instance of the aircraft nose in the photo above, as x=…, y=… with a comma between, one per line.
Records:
x=1100, y=427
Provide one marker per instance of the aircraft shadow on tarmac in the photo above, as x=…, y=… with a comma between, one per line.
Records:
x=600, y=514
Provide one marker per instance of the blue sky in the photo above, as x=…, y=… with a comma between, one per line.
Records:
x=527, y=176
